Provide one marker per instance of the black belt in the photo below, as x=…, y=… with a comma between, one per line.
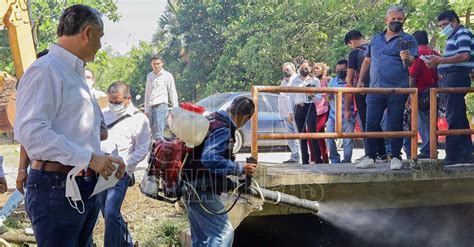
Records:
x=303, y=104
x=155, y=106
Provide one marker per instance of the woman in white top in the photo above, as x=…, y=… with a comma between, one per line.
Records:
x=305, y=111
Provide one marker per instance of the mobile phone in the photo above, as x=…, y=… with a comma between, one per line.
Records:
x=424, y=58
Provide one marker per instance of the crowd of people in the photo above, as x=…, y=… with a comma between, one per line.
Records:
x=69, y=143
x=392, y=59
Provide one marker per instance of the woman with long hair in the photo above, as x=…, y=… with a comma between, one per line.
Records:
x=320, y=71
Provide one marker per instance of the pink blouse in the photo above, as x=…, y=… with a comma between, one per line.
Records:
x=322, y=106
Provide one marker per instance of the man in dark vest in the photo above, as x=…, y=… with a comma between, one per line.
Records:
x=214, y=159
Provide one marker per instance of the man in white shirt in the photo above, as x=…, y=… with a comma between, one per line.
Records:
x=160, y=89
x=129, y=133
x=285, y=107
x=58, y=122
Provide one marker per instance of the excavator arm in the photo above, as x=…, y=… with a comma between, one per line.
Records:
x=15, y=17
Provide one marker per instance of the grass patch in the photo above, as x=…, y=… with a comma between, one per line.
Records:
x=11, y=156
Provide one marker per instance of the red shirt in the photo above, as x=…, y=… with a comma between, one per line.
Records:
x=425, y=77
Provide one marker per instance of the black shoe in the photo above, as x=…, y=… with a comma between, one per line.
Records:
x=382, y=157
x=290, y=161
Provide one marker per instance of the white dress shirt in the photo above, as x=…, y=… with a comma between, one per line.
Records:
x=56, y=117
x=301, y=98
x=160, y=88
x=284, y=103
x=131, y=136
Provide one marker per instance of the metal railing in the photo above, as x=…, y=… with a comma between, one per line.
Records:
x=434, y=132
x=413, y=134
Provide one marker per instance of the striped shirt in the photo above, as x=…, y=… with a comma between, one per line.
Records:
x=460, y=41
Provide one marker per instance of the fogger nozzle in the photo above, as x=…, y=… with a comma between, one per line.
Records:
x=277, y=197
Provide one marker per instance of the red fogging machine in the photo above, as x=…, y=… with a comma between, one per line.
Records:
x=164, y=181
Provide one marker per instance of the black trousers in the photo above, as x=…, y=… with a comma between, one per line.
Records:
x=306, y=120
x=458, y=148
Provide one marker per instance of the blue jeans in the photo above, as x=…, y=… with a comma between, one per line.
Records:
x=158, y=120
x=55, y=222
x=347, y=127
x=383, y=144
x=292, y=143
x=209, y=229
x=386, y=141
x=458, y=148
x=116, y=231
x=376, y=105
x=424, y=130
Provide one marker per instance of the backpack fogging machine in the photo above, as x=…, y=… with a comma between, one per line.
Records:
x=163, y=180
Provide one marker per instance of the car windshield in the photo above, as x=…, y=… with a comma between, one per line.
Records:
x=213, y=102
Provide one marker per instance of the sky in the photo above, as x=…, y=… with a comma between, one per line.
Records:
x=139, y=20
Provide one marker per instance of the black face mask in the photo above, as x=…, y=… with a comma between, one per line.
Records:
x=287, y=74
x=395, y=26
x=342, y=74
x=304, y=72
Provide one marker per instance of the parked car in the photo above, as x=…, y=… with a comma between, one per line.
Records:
x=269, y=120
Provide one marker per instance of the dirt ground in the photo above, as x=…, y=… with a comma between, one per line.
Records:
x=151, y=222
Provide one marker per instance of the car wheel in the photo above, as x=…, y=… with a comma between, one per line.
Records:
x=239, y=140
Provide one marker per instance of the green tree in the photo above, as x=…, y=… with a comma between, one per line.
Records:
x=130, y=68
x=216, y=45
x=45, y=15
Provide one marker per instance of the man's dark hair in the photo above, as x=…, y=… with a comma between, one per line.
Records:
x=42, y=53
x=421, y=37
x=156, y=57
x=76, y=17
x=449, y=15
x=242, y=106
x=119, y=86
x=342, y=61
x=352, y=35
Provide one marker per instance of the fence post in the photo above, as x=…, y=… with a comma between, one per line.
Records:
x=254, y=145
x=339, y=112
x=414, y=125
x=433, y=123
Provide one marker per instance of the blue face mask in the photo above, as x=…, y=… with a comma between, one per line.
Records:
x=448, y=30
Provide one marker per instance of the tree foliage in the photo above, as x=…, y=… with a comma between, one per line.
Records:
x=45, y=15
x=217, y=45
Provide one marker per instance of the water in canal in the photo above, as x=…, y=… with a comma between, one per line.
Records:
x=428, y=226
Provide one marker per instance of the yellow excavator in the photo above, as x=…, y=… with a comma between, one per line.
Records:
x=15, y=17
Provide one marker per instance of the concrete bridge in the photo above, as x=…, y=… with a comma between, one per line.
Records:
x=343, y=187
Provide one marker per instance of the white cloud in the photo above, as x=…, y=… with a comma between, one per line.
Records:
x=138, y=22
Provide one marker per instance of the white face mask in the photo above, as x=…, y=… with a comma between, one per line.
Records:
x=118, y=109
